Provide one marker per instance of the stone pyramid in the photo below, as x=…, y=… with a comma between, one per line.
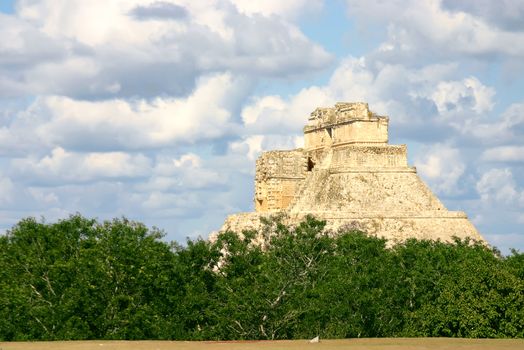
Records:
x=348, y=175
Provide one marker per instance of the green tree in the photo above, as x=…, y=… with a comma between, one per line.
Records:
x=471, y=294
x=195, y=318
x=78, y=279
x=82, y=279
x=265, y=291
x=354, y=299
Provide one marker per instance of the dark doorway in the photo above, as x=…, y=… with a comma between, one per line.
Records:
x=310, y=164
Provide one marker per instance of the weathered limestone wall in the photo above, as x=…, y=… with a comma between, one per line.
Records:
x=349, y=176
x=358, y=131
x=372, y=131
x=346, y=123
x=278, y=175
x=397, y=227
x=358, y=191
x=385, y=156
x=315, y=139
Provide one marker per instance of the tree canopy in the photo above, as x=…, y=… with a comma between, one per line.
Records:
x=83, y=279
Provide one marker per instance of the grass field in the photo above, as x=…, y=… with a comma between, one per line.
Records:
x=353, y=344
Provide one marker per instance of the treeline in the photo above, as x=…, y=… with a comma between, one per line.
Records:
x=81, y=279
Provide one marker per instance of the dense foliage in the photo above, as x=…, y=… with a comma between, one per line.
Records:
x=80, y=279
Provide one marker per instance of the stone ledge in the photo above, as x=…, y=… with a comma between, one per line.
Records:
x=427, y=214
x=340, y=122
x=340, y=170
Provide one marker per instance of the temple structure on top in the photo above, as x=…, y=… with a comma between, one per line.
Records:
x=348, y=175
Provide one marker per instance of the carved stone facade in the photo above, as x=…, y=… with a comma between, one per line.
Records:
x=348, y=175
x=278, y=176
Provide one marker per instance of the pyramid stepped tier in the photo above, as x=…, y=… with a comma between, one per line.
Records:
x=348, y=175
x=433, y=226
x=385, y=190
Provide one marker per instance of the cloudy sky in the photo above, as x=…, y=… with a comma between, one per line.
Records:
x=157, y=110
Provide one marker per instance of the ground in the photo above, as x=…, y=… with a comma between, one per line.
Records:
x=352, y=344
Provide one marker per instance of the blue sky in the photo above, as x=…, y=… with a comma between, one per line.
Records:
x=157, y=110
x=7, y=6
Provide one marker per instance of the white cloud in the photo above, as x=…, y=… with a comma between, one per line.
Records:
x=159, y=10
x=7, y=191
x=109, y=21
x=423, y=29
x=252, y=113
x=26, y=44
x=498, y=185
x=250, y=146
x=22, y=46
x=118, y=52
x=16, y=197
x=272, y=114
x=188, y=160
x=509, y=128
x=66, y=167
x=176, y=204
x=505, y=14
x=387, y=88
x=442, y=166
x=186, y=173
x=290, y=8
x=502, y=205
x=504, y=154
x=46, y=198
x=470, y=93
x=414, y=97
x=121, y=124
